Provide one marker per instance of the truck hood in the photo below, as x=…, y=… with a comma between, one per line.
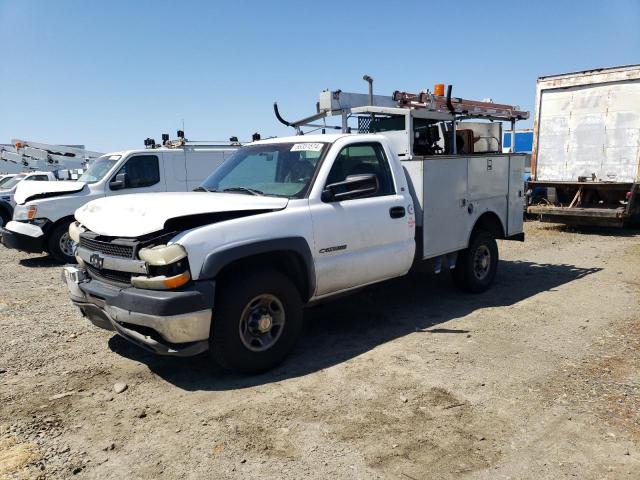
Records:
x=142, y=214
x=31, y=190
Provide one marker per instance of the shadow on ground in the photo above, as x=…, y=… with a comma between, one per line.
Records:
x=593, y=230
x=39, y=262
x=350, y=326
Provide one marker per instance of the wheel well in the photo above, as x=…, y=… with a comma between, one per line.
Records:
x=288, y=263
x=491, y=223
x=68, y=218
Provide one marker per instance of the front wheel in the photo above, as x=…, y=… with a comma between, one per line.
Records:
x=477, y=265
x=257, y=320
x=4, y=218
x=60, y=245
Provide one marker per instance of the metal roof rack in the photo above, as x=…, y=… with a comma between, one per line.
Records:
x=423, y=105
x=181, y=141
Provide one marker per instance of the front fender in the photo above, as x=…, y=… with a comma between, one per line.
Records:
x=216, y=261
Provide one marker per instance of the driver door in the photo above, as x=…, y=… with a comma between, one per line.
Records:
x=141, y=174
x=361, y=240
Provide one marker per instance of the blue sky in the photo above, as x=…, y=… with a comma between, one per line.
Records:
x=109, y=74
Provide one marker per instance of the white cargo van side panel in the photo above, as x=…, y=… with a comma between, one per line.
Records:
x=202, y=163
x=446, y=219
x=175, y=171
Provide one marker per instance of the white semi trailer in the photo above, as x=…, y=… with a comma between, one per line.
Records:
x=586, y=148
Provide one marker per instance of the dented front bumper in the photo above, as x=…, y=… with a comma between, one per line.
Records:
x=175, y=322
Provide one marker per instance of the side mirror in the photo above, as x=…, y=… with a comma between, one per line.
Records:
x=354, y=186
x=119, y=182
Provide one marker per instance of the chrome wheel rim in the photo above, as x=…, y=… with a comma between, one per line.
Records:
x=262, y=322
x=66, y=245
x=482, y=262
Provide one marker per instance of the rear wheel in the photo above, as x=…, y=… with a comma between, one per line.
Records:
x=60, y=245
x=477, y=265
x=257, y=321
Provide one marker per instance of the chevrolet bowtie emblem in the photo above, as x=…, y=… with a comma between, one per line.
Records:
x=96, y=261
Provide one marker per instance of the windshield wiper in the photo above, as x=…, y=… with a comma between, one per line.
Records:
x=251, y=191
x=202, y=189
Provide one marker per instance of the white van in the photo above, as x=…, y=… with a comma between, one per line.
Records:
x=43, y=212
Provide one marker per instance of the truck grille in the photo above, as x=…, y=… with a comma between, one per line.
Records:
x=110, y=276
x=107, y=248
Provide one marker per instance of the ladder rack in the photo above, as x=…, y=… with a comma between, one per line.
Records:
x=417, y=111
x=460, y=106
x=424, y=105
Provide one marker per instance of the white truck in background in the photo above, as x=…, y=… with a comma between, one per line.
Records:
x=43, y=213
x=8, y=189
x=38, y=161
x=63, y=159
x=5, y=177
x=290, y=221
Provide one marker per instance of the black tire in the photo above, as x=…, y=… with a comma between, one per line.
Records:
x=236, y=307
x=470, y=275
x=59, y=234
x=4, y=218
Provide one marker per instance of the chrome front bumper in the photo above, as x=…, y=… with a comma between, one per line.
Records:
x=165, y=322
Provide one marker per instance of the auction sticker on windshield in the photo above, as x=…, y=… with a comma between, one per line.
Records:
x=307, y=147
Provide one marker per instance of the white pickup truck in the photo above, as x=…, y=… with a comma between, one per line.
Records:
x=9, y=187
x=43, y=213
x=290, y=221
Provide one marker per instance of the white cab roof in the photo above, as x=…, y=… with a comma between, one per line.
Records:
x=330, y=138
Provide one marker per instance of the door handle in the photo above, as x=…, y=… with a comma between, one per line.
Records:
x=396, y=212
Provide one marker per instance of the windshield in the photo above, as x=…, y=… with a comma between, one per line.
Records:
x=4, y=180
x=277, y=169
x=12, y=182
x=99, y=169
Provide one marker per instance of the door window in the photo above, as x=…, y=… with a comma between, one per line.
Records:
x=38, y=178
x=141, y=171
x=361, y=159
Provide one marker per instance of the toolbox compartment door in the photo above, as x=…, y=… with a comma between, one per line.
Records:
x=515, y=217
x=446, y=220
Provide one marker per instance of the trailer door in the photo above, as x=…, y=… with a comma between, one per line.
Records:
x=589, y=129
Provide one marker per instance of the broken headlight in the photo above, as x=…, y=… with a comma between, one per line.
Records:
x=168, y=267
x=75, y=230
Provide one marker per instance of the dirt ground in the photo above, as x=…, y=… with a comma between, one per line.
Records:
x=536, y=379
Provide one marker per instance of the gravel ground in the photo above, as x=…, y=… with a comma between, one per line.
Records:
x=537, y=378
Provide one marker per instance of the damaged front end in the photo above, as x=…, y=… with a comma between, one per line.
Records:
x=143, y=287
